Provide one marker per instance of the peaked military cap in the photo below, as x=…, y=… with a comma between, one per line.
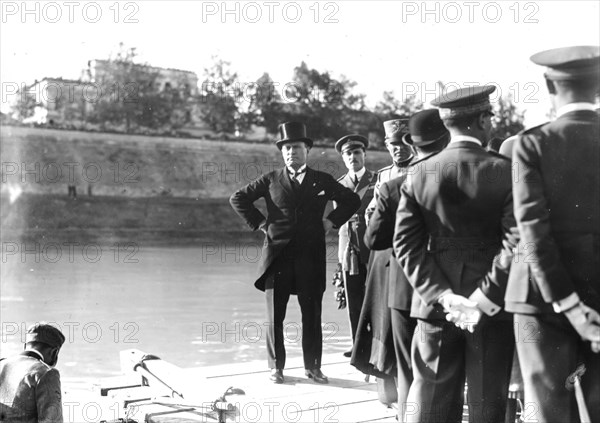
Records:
x=292, y=132
x=464, y=101
x=425, y=127
x=568, y=63
x=395, y=130
x=351, y=141
x=46, y=333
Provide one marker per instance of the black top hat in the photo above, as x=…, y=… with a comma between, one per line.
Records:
x=292, y=132
x=425, y=127
x=351, y=141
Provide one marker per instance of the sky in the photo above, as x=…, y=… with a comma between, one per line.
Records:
x=400, y=46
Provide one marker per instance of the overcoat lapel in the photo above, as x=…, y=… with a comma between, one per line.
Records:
x=363, y=183
x=286, y=183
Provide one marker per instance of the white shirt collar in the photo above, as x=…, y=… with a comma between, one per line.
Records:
x=293, y=172
x=299, y=174
x=35, y=352
x=359, y=174
x=573, y=107
x=458, y=138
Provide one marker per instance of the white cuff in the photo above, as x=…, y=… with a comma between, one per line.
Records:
x=566, y=303
x=484, y=303
x=447, y=291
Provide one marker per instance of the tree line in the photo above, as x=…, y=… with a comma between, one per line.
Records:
x=330, y=107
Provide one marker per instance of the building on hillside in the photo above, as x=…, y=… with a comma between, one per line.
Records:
x=56, y=101
x=67, y=102
x=164, y=78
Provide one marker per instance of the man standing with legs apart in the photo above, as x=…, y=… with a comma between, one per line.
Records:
x=427, y=136
x=554, y=284
x=293, y=255
x=352, y=252
x=450, y=224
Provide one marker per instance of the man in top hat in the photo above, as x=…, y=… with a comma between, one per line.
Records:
x=427, y=135
x=352, y=252
x=30, y=390
x=449, y=229
x=293, y=254
x=554, y=284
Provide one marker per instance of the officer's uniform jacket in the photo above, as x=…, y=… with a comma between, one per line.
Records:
x=295, y=215
x=557, y=208
x=383, y=175
x=30, y=390
x=364, y=190
x=380, y=236
x=454, y=217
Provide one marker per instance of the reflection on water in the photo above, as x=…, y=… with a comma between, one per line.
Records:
x=182, y=304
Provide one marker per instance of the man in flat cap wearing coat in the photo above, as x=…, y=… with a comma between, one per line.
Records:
x=452, y=223
x=293, y=258
x=554, y=284
x=30, y=389
x=427, y=135
x=352, y=251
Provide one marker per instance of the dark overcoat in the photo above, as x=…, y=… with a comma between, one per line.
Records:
x=295, y=215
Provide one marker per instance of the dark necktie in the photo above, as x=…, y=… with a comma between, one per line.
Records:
x=355, y=180
x=294, y=176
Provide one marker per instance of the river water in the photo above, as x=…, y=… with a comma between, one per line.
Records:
x=193, y=306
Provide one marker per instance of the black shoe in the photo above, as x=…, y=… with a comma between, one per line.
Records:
x=316, y=375
x=276, y=376
x=348, y=354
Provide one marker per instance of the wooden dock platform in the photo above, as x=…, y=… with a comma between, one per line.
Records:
x=347, y=397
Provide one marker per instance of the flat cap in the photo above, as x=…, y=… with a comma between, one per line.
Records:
x=569, y=63
x=351, y=141
x=464, y=101
x=46, y=333
x=425, y=127
x=395, y=130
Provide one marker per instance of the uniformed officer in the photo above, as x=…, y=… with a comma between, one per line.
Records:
x=30, y=390
x=427, y=135
x=449, y=229
x=554, y=284
x=373, y=351
x=352, y=252
x=401, y=154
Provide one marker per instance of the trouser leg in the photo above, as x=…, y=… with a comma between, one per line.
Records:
x=355, y=295
x=403, y=328
x=277, y=294
x=436, y=394
x=312, y=334
x=549, y=351
x=488, y=358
